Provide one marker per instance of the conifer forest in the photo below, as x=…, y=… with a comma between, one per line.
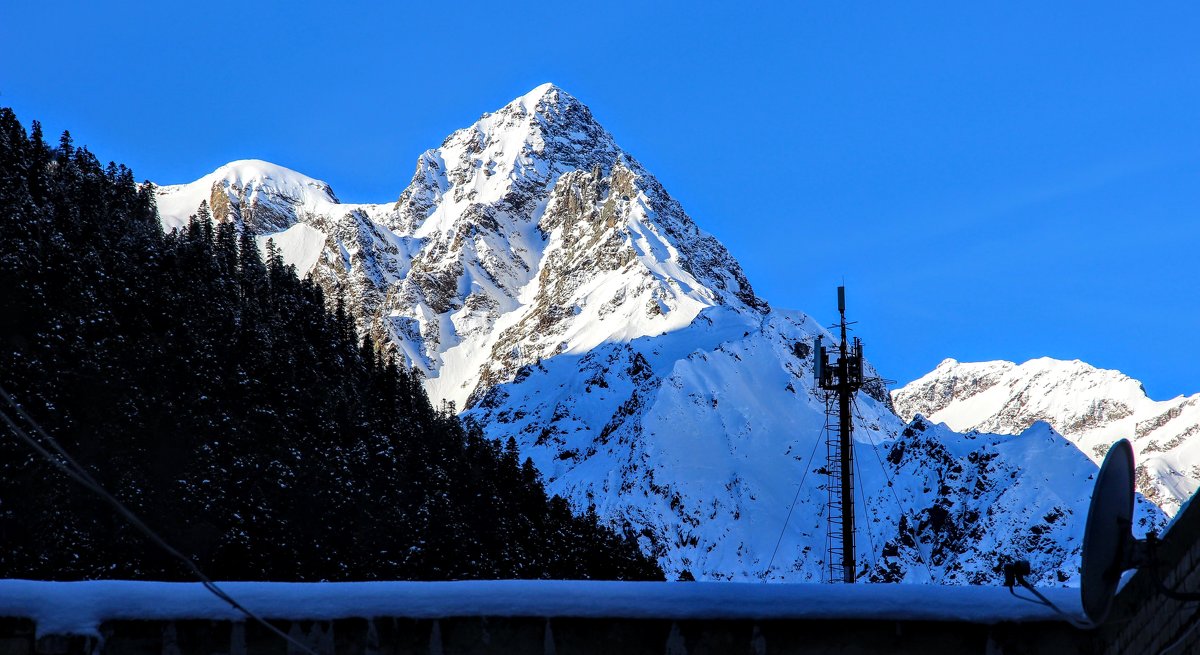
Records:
x=234, y=409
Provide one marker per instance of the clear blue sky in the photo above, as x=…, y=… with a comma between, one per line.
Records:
x=993, y=180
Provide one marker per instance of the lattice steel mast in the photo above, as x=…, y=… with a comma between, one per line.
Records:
x=840, y=380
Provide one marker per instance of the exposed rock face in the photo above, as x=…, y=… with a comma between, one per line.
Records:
x=1091, y=407
x=542, y=280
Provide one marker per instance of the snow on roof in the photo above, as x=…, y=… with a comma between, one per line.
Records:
x=80, y=607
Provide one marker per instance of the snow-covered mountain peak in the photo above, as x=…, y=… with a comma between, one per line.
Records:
x=538, y=94
x=505, y=157
x=266, y=196
x=539, y=237
x=545, y=112
x=258, y=172
x=540, y=90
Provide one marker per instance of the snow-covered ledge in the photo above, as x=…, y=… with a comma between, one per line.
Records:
x=79, y=608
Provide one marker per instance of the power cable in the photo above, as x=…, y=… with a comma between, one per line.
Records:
x=69, y=466
x=900, y=505
x=863, y=495
x=1014, y=574
x=783, y=530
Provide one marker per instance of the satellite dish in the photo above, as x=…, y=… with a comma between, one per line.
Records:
x=1108, y=542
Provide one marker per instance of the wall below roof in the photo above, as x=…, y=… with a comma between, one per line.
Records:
x=1142, y=620
x=558, y=636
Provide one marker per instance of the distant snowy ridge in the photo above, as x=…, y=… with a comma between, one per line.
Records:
x=542, y=280
x=1092, y=407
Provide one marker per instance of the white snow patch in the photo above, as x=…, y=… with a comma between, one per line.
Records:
x=300, y=245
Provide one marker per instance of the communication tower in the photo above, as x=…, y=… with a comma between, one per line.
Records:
x=840, y=379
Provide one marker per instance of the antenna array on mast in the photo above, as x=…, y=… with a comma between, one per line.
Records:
x=840, y=380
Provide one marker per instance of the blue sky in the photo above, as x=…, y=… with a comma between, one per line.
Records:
x=991, y=180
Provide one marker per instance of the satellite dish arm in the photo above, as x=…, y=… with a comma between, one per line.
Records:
x=1151, y=544
x=1171, y=593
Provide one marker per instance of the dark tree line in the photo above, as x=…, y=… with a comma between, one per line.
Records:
x=213, y=393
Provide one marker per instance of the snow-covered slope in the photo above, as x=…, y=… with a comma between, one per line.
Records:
x=1090, y=406
x=700, y=439
x=542, y=280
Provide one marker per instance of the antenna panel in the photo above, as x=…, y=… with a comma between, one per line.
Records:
x=818, y=361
